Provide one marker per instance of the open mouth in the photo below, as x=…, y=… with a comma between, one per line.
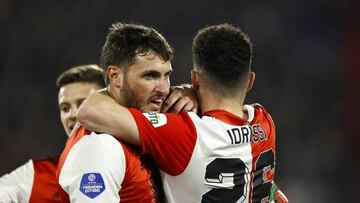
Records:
x=71, y=126
x=157, y=103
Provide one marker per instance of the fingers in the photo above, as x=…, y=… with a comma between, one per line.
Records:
x=190, y=107
x=193, y=103
x=181, y=105
x=175, y=95
x=182, y=98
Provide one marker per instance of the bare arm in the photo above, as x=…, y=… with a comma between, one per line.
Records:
x=101, y=113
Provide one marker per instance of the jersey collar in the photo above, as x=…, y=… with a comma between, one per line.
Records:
x=230, y=118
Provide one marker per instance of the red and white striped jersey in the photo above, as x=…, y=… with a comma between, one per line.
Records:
x=216, y=158
x=98, y=168
x=32, y=182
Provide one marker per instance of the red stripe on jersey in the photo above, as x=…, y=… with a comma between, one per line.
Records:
x=225, y=117
x=258, y=148
x=137, y=179
x=76, y=136
x=136, y=185
x=45, y=185
x=171, y=153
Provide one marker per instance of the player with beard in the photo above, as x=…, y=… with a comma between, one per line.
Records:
x=225, y=155
x=95, y=167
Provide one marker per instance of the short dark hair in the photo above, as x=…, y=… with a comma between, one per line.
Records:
x=90, y=73
x=125, y=41
x=223, y=53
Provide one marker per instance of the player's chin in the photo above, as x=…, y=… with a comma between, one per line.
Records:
x=68, y=131
x=152, y=107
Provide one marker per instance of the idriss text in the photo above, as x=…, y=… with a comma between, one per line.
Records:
x=246, y=134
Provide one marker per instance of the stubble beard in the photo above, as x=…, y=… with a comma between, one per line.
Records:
x=129, y=97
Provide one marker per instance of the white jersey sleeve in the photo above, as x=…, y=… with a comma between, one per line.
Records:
x=94, y=170
x=17, y=185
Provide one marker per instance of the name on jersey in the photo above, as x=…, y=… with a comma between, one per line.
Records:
x=247, y=134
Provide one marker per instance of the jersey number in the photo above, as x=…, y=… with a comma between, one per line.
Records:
x=229, y=179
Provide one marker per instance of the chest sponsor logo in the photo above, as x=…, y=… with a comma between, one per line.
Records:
x=92, y=184
x=156, y=119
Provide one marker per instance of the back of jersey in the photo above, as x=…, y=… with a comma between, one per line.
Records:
x=233, y=159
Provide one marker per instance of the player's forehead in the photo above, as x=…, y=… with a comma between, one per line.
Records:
x=150, y=61
x=74, y=91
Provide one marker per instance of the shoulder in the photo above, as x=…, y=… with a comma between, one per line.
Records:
x=94, y=157
x=262, y=117
x=259, y=110
x=49, y=161
x=257, y=106
x=18, y=183
x=96, y=147
x=92, y=151
x=23, y=173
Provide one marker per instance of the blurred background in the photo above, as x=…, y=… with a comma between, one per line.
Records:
x=306, y=59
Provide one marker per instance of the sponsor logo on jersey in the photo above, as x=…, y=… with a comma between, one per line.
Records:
x=92, y=184
x=156, y=119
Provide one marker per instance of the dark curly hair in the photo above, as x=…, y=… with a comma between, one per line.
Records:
x=125, y=41
x=223, y=54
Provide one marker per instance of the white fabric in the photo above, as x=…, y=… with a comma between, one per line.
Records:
x=212, y=142
x=251, y=112
x=16, y=186
x=96, y=153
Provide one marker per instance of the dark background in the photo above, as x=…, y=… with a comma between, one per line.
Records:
x=306, y=59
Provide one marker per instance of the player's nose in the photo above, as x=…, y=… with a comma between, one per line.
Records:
x=73, y=112
x=163, y=86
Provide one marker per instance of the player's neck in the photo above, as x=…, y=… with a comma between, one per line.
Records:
x=210, y=101
x=114, y=93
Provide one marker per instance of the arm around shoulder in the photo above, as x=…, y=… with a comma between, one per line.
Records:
x=101, y=113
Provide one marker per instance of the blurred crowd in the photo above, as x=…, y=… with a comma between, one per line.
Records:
x=305, y=59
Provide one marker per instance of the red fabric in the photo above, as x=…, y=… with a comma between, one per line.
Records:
x=261, y=117
x=133, y=183
x=172, y=152
x=77, y=135
x=260, y=147
x=45, y=185
x=136, y=186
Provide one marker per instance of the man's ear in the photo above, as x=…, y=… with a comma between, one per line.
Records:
x=251, y=81
x=195, y=79
x=115, y=75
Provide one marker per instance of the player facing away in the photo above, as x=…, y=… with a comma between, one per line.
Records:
x=95, y=167
x=35, y=181
x=225, y=155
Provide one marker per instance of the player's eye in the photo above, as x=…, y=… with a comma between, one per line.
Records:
x=151, y=76
x=65, y=109
x=168, y=74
